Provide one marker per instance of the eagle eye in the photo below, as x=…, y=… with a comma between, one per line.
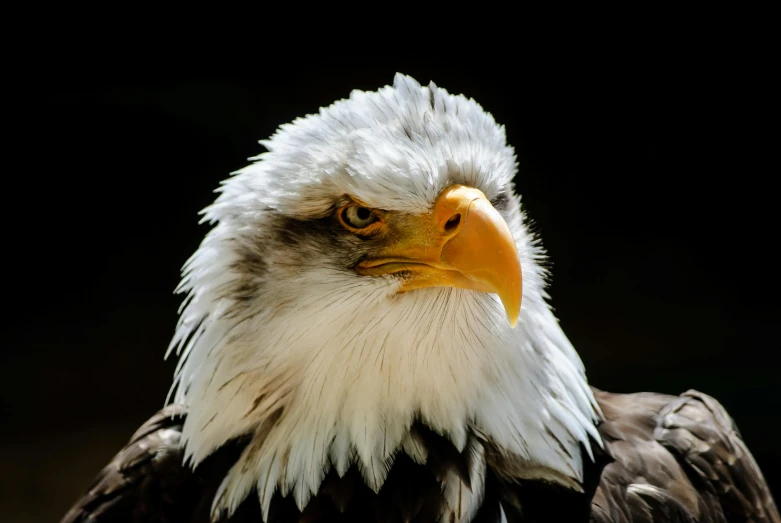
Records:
x=355, y=217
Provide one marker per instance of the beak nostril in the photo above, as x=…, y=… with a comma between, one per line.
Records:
x=453, y=222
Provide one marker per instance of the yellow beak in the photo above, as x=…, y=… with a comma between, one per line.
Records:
x=464, y=242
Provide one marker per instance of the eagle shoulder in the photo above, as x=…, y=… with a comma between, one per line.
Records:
x=149, y=481
x=676, y=459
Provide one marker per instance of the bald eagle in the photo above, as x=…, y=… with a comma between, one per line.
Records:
x=366, y=337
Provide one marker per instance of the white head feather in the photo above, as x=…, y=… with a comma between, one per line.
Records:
x=280, y=339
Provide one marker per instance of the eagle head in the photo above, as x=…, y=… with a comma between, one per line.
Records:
x=369, y=271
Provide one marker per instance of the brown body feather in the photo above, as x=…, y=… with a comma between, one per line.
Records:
x=666, y=458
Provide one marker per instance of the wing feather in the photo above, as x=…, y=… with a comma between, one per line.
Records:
x=677, y=459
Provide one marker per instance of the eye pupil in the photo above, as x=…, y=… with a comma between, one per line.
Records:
x=363, y=213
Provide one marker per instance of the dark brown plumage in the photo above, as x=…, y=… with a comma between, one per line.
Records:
x=666, y=459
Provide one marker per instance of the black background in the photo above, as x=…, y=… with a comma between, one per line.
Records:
x=648, y=167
